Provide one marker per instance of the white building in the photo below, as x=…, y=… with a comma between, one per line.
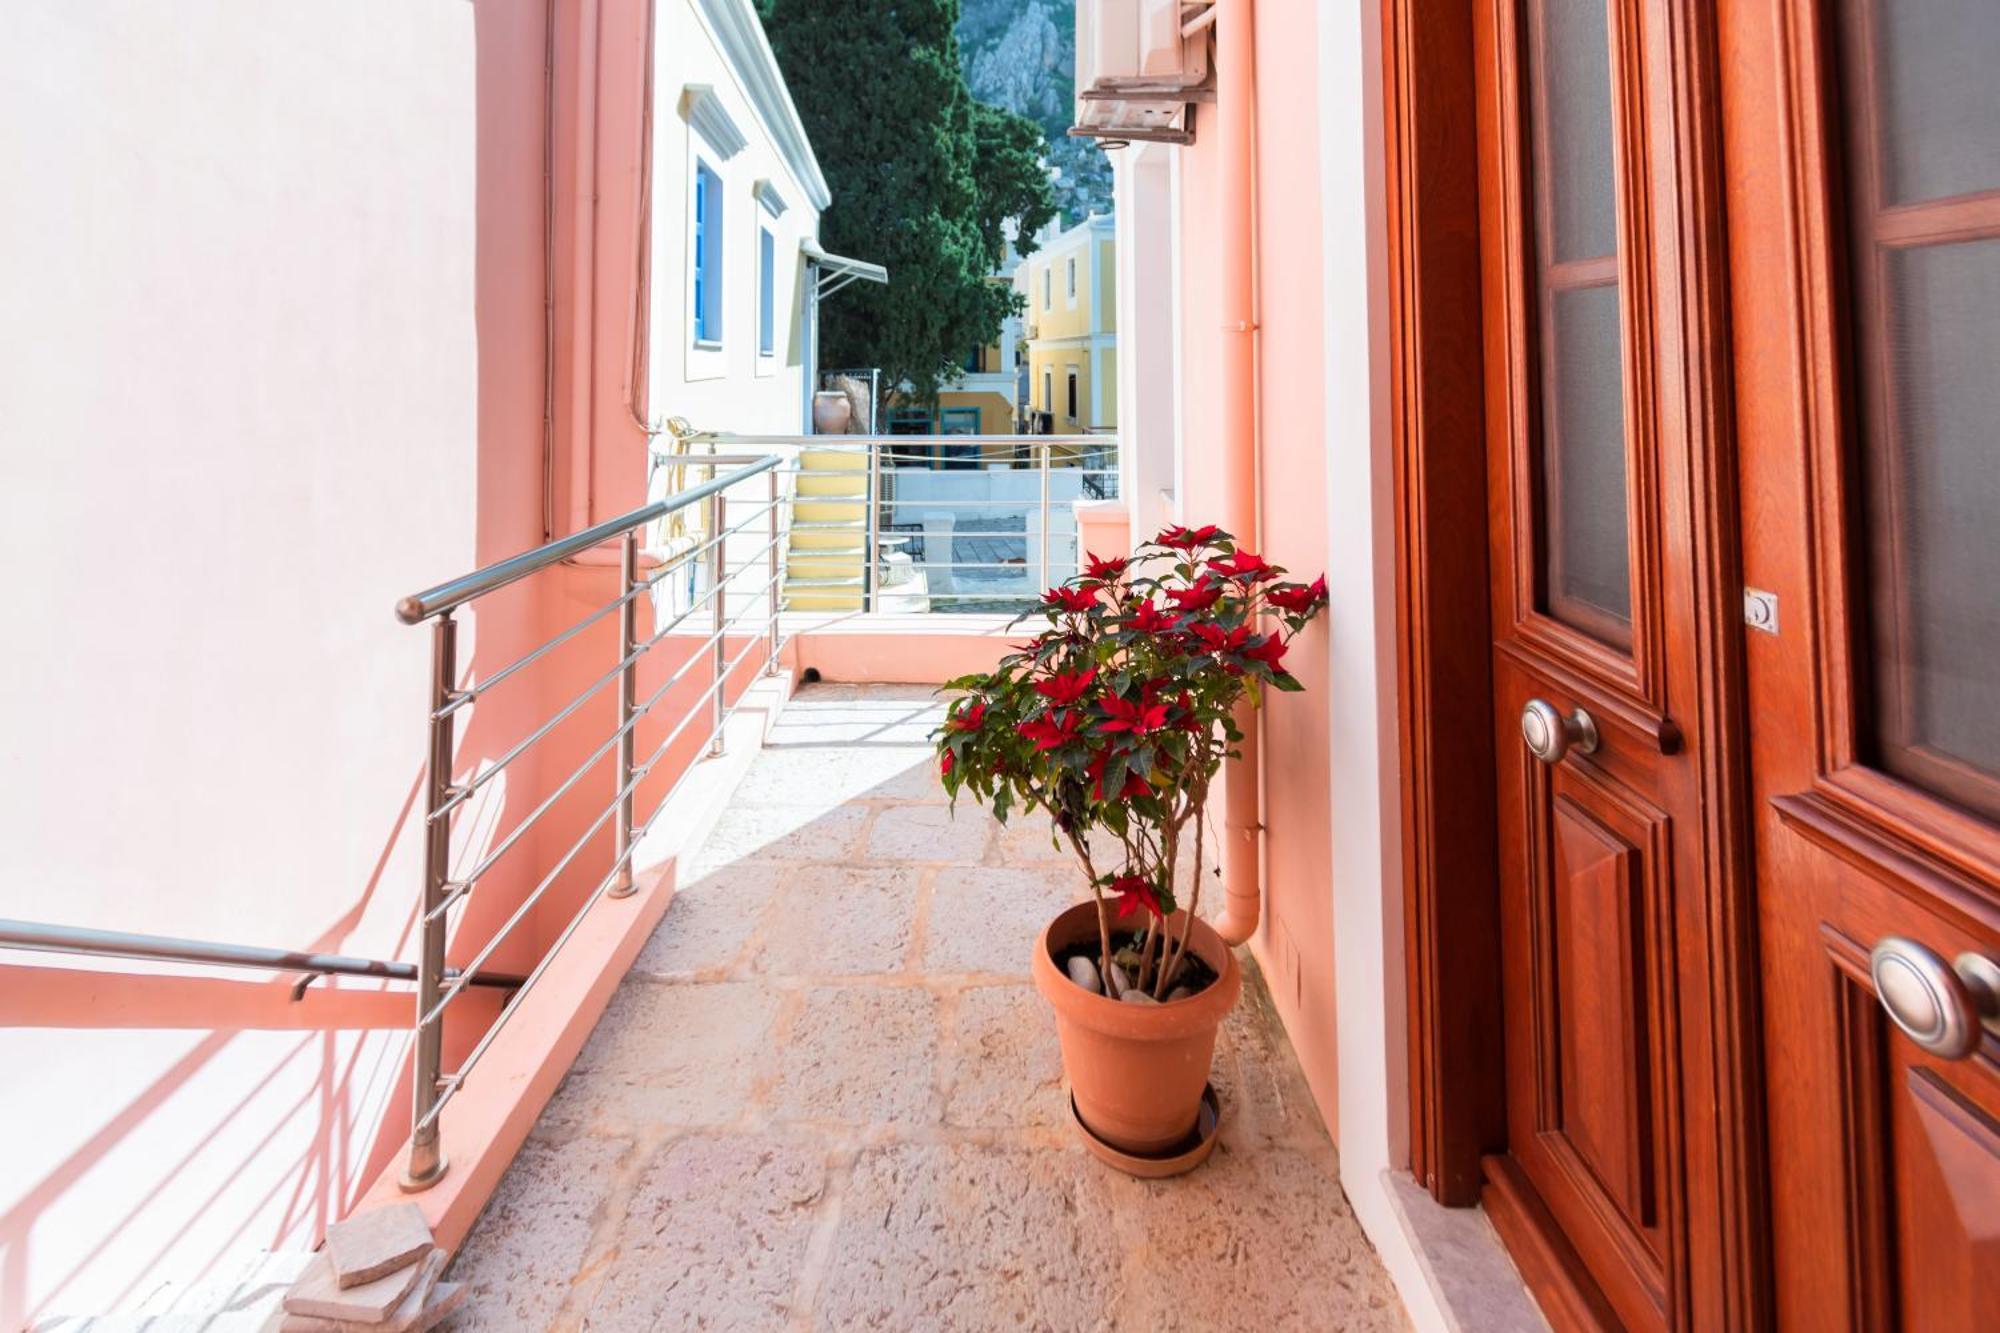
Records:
x=736, y=198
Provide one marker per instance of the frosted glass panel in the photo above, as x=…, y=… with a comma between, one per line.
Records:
x=1574, y=78
x=1934, y=527
x=1588, y=569
x=1938, y=97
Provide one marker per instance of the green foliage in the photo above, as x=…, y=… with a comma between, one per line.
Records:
x=922, y=177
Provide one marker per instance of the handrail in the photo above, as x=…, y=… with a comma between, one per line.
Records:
x=448, y=596
x=41, y=937
x=729, y=552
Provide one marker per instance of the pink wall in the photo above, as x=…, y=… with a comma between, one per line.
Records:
x=1295, y=941
x=285, y=362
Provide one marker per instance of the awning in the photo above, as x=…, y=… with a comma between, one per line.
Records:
x=836, y=271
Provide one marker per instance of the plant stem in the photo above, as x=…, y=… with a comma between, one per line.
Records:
x=1103, y=922
x=1199, y=798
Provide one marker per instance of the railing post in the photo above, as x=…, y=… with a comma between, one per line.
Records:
x=872, y=549
x=1048, y=579
x=628, y=704
x=771, y=659
x=427, y=1162
x=719, y=620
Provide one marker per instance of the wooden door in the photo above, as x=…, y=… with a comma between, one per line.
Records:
x=1862, y=150
x=1595, y=653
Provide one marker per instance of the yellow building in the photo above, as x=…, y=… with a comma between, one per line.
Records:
x=1071, y=329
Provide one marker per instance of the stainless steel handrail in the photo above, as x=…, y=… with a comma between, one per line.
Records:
x=437, y=985
x=448, y=596
x=41, y=937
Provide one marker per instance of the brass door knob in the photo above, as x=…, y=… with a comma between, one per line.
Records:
x=1942, y=1007
x=1550, y=735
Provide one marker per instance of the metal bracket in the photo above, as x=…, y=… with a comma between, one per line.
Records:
x=1760, y=610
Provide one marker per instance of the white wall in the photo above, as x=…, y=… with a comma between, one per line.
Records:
x=1148, y=315
x=1363, y=813
x=241, y=381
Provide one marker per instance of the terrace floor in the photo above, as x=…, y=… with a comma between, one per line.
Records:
x=827, y=1096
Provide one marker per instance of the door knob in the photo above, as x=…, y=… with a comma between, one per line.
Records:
x=1940, y=1006
x=1550, y=735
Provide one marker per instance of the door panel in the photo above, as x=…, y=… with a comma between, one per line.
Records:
x=1864, y=235
x=1588, y=858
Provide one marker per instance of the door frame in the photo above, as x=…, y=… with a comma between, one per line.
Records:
x=1444, y=645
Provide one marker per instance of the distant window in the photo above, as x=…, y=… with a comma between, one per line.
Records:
x=1048, y=391
x=767, y=295
x=707, y=225
x=1072, y=394
x=1048, y=288
x=1072, y=277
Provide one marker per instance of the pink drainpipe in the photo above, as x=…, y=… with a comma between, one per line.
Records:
x=1236, y=94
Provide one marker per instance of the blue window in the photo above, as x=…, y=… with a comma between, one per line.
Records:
x=767, y=295
x=707, y=222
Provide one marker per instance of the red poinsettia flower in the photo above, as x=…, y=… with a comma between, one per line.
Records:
x=1198, y=598
x=1142, y=717
x=1070, y=599
x=1243, y=566
x=1186, y=539
x=1190, y=720
x=1134, y=785
x=1065, y=689
x=1148, y=618
x=1271, y=652
x=1215, y=639
x=1101, y=569
x=1051, y=731
x=945, y=763
x=1134, y=892
x=970, y=719
x=1298, y=597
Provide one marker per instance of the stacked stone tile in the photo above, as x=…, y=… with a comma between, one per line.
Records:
x=378, y=1273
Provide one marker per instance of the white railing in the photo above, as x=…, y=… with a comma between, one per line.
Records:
x=934, y=523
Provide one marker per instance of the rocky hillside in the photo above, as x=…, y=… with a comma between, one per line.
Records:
x=1021, y=54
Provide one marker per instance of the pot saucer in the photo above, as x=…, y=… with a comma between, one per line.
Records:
x=1190, y=1153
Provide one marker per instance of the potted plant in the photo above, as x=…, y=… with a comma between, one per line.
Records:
x=1115, y=719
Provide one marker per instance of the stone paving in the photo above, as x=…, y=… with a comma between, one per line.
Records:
x=827, y=1097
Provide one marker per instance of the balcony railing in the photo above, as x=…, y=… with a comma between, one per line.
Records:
x=734, y=543
x=927, y=523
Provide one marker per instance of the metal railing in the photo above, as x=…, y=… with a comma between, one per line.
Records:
x=39, y=937
x=445, y=795
x=948, y=523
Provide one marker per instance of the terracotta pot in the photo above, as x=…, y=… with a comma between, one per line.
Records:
x=1135, y=1070
x=833, y=412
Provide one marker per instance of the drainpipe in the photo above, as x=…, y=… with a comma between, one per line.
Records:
x=1236, y=94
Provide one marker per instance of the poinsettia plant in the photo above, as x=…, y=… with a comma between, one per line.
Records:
x=1116, y=716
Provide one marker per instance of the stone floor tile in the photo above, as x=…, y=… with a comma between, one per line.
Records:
x=674, y=1054
x=910, y=833
x=841, y=921
x=780, y=833
x=859, y=1055
x=986, y=919
x=715, y=1233
x=1258, y=1076
x=947, y=1237
x=827, y=1096
x=1003, y=1068
x=1265, y=1240
x=822, y=776
x=522, y=1256
x=710, y=921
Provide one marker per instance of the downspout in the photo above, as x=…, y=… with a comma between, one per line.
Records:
x=1236, y=100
